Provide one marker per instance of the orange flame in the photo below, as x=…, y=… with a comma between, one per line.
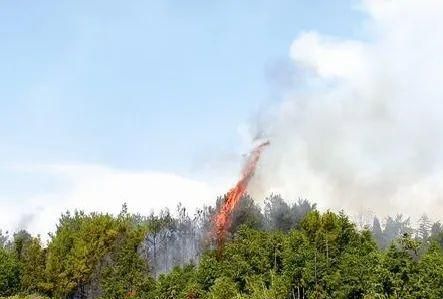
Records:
x=234, y=195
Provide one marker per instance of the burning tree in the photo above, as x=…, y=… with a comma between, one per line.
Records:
x=222, y=218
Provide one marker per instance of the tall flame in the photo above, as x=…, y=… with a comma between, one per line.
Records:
x=222, y=218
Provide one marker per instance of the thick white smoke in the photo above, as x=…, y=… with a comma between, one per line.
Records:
x=365, y=131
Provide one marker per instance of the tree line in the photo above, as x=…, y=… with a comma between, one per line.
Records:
x=279, y=251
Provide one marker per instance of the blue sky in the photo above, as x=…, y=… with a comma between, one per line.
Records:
x=142, y=85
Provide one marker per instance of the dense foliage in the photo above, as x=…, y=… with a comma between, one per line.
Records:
x=286, y=251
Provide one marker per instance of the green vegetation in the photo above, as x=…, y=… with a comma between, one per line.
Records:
x=288, y=251
x=32, y=296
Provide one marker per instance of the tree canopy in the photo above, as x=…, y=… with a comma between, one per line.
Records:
x=283, y=251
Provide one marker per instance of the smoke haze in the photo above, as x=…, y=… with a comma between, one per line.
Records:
x=364, y=131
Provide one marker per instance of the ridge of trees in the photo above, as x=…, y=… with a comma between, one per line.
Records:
x=281, y=251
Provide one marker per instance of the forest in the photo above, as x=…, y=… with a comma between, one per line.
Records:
x=275, y=250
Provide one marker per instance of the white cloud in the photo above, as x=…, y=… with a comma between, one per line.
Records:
x=99, y=188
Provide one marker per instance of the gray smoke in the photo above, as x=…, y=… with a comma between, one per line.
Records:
x=176, y=241
x=25, y=221
x=364, y=131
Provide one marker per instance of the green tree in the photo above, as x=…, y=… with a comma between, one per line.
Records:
x=19, y=241
x=251, y=253
x=208, y=270
x=359, y=268
x=9, y=273
x=77, y=250
x=178, y=284
x=428, y=281
x=399, y=268
x=33, y=260
x=260, y=288
x=126, y=273
x=223, y=288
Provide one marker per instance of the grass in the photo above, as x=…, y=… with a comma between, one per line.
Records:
x=25, y=297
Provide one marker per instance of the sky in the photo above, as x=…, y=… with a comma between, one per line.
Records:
x=141, y=87
x=155, y=102
x=129, y=85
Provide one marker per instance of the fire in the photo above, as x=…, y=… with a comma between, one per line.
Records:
x=234, y=195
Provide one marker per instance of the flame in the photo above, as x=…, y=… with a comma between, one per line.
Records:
x=222, y=218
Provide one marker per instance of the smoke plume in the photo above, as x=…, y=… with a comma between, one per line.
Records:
x=365, y=129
